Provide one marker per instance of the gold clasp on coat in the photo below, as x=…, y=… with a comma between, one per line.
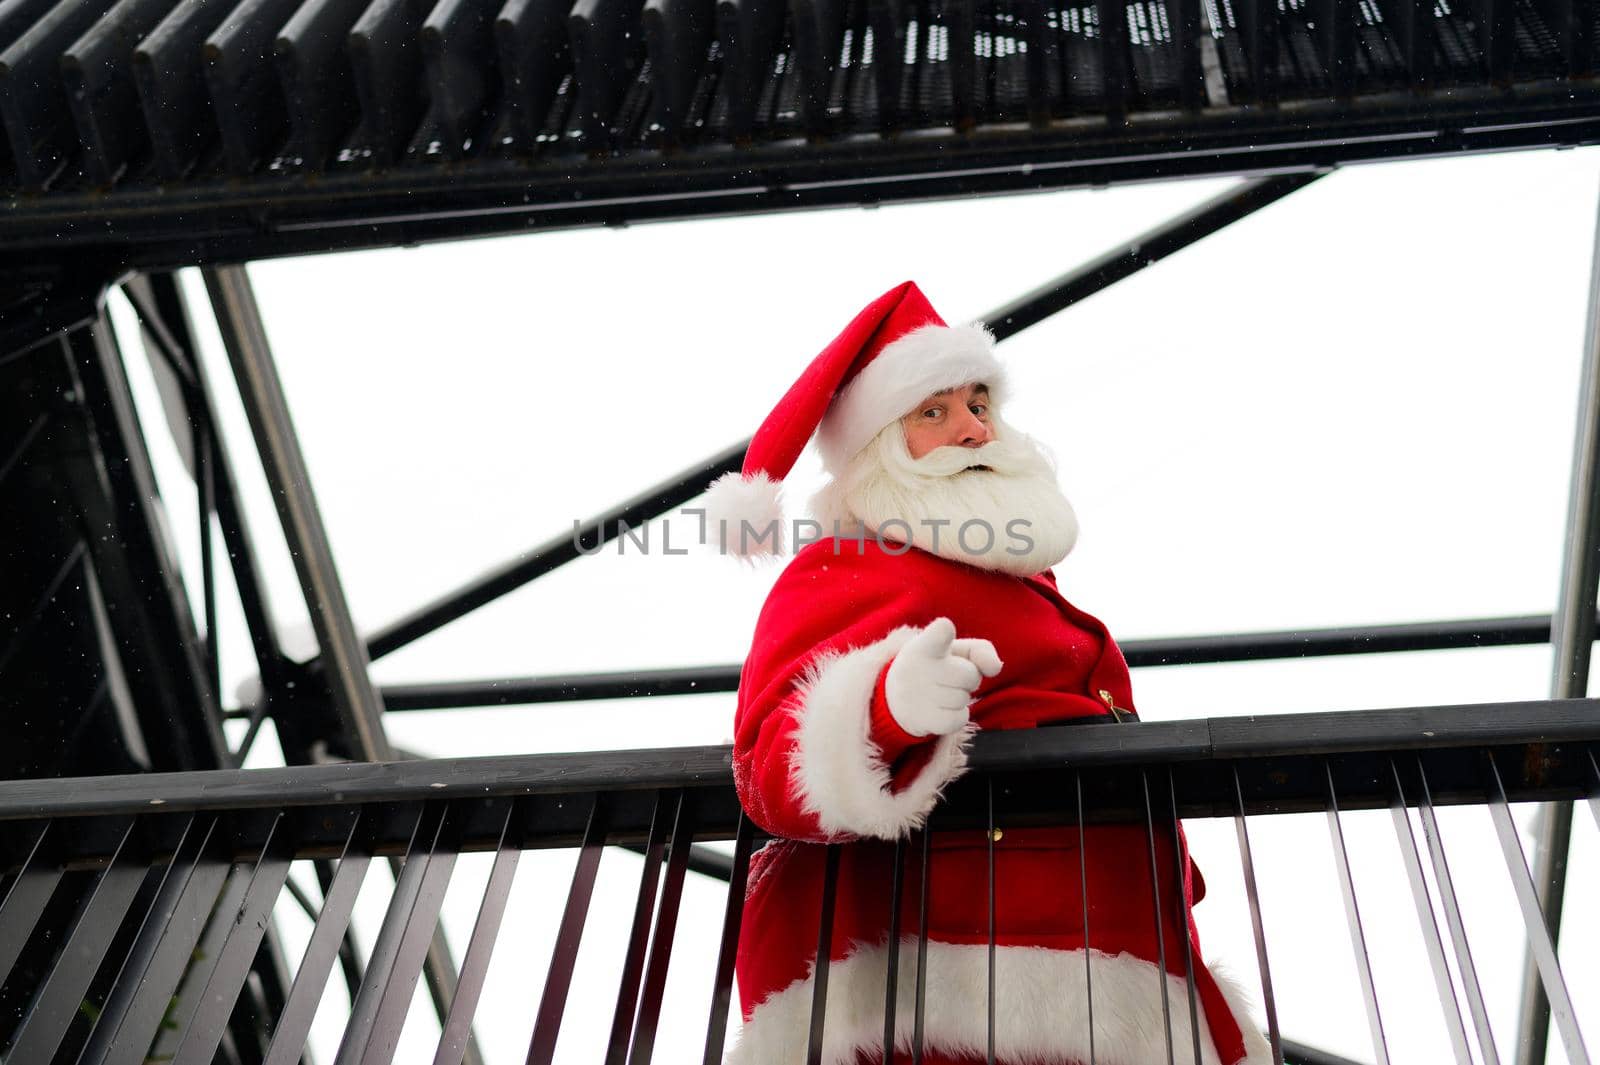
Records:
x=1116, y=711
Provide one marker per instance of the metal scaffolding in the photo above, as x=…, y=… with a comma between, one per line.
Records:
x=146, y=135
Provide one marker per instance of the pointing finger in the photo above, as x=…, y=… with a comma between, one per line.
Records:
x=934, y=641
x=980, y=653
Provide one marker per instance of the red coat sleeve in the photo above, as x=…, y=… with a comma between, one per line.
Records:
x=816, y=754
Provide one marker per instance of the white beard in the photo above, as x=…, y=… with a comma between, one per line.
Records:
x=1012, y=517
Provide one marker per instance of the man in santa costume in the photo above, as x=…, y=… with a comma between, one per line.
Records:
x=875, y=659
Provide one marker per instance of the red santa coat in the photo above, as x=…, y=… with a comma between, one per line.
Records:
x=818, y=758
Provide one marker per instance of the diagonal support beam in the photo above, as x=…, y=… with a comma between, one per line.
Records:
x=1030, y=309
x=245, y=338
x=164, y=313
x=584, y=538
x=355, y=697
x=1571, y=634
x=119, y=499
x=1147, y=249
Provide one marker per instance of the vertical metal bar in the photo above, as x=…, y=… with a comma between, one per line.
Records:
x=1253, y=894
x=338, y=900
x=553, y=1001
x=1155, y=901
x=1189, y=33
x=350, y=966
x=194, y=969
x=819, y=986
x=966, y=97
x=1259, y=33
x=27, y=896
x=891, y=991
x=127, y=1042
x=354, y=695
x=1571, y=636
x=200, y=1040
x=146, y=949
x=1352, y=912
x=992, y=835
x=655, y=971
x=633, y=960
x=205, y=491
x=1425, y=920
x=728, y=951
x=1180, y=880
x=475, y=963
x=380, y=965
x=1540, y=941
x=55, y=1005
x=1415, y=36
x=1083, y=891
x=1594, y=784
x=1114, y=58
x=421, y=923
x=922, y=947
x=1336, y=34
x=1454, y=921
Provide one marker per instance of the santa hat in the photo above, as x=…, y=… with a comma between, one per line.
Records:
x=893, y=353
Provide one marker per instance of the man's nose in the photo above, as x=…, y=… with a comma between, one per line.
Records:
x=972, y=431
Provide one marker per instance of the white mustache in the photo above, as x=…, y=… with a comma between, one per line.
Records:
x=998, y=455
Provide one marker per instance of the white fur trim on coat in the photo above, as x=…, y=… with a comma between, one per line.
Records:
x=837, y=771
x=744, y=516
x=1040, y=1012
x=926, y=360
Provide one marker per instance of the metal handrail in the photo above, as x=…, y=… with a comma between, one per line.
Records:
x=1268, y=747
x=217, y=845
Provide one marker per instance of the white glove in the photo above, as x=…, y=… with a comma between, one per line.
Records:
x=931, y=680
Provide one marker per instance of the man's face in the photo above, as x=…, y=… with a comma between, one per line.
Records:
x=956, y=417
x=915, y=480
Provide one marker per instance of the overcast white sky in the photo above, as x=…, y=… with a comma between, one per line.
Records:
x=1355, y=407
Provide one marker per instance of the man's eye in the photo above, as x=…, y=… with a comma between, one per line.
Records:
x=932, y=412
x=979, y=409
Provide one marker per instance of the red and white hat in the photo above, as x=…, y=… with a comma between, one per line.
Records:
x=893, y=353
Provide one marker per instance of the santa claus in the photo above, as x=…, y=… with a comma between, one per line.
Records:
x=926, y=612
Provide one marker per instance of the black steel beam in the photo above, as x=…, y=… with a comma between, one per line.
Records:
x=1140, y=654
x=584, y=538
x=1573, y=622
x=117, y=492
x=162, y=308
x=1146, y=249
x=243, y=334
x=229, y=220
x=1348, y=640
x=569, y=687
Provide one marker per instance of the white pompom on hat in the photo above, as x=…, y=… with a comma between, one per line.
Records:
x=893, y=353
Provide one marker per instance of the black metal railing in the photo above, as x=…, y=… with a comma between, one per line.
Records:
x=134, y=909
